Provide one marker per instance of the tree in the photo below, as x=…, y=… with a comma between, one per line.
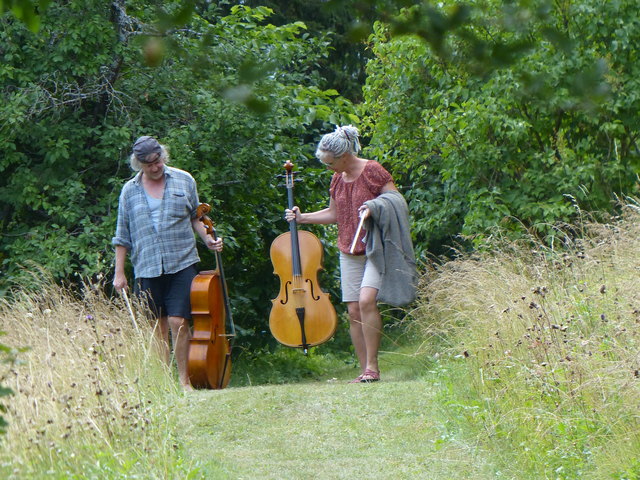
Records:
x=343, y=68
x=526, y=144
x=232, y=96
x=26, y=10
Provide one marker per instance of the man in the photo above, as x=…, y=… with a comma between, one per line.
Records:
x=156, y=221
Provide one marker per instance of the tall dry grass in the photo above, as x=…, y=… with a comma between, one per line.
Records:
x=91, y=397
x=548, y=343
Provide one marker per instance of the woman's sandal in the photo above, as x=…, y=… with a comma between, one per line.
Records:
x=369, y=376
x=358, y=379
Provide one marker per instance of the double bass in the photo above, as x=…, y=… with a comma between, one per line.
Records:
x=209, y=359
x=302, y=315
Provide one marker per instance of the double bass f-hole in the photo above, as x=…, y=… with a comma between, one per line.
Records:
x=210, y=346
x=302, y=315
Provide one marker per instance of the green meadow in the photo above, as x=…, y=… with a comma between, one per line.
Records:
x=518, y=362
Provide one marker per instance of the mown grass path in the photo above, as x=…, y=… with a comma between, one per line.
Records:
x=325, y=430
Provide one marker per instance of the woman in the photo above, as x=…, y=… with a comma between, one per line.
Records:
x=355, y=181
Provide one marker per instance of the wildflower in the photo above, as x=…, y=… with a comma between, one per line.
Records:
x=542, y=291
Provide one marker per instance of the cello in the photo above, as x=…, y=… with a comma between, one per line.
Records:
x=209, y=359
x=302, y=315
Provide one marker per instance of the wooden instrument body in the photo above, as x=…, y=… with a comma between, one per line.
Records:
x=302, y=315
x=209, y=358
x=300, y=291
x=209, y=344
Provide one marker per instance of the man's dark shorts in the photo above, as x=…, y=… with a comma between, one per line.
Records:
x=169, y=294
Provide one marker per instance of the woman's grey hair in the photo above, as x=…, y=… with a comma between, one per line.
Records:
x=334, y=144
x=136, y=164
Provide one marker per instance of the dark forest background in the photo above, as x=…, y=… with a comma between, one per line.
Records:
x=509, y=116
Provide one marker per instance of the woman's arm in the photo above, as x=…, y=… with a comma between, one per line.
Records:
x=363, y=211
x=324, y=216
x=389, y=187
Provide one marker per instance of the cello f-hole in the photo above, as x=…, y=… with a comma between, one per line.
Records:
x=313, y=295
x=286, y=294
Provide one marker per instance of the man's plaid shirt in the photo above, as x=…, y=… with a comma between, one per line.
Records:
x=173, y=246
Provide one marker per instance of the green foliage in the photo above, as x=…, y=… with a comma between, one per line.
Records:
x=91, y=397
x=232, y=97
x=26, y=10
x=538, y=367
x=283, y=365
x=343, y=68
x=7, y=355
x=526, y=142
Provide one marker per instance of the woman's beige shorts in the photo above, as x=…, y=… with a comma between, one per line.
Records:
x=355, y=273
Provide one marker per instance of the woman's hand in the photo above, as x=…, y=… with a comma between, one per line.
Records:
x=363, y=212
x=293, y=214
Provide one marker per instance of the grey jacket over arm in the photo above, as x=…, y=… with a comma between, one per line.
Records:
x=389, y=248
